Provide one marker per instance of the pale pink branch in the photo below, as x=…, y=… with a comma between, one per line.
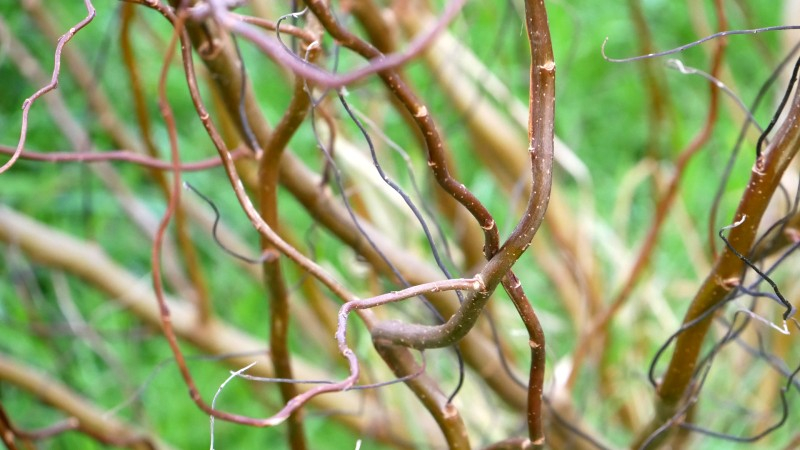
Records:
x=273, y=48
x=460, y=284
x=53, y=84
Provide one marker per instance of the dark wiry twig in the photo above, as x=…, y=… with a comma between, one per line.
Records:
x=697, y=42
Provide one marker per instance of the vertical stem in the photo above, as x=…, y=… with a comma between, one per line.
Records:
x=268, y=171
x=188, y=251
x=536, y=341
x=426, y=389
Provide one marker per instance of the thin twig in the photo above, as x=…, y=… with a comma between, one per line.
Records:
x=26, y=105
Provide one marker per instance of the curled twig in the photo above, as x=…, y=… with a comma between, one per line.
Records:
x=26, y=105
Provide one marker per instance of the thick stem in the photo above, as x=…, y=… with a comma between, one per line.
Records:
x=427, y=390
x=728, y=268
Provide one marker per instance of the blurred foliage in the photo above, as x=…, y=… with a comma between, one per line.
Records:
x=602, y=115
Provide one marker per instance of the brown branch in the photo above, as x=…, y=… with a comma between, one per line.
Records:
x=304, y=184
x=83, y=75
x=542, y=101
x=465, y=81
x=478, y=350
x=166, y=323
x=428, y=392
x=536, y=341
x=78, y=138
x=9, y=433
x=84, y=416
x=434, y=144
x=403, y=364
x=764, y=180
x=268, y=176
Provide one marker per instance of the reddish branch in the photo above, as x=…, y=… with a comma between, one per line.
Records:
x=82, y=415
x=265, y=220
x=120, y=155
x=295, y=177
x=9, y=434
x=188, y=251
x=437, y=160
x=536, y=342
x=169, y=333
x=268, y=233
x=542, y=102
x=541, y=154
x=446, y=418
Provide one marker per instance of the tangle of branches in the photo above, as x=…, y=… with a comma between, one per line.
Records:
x=338, y=224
